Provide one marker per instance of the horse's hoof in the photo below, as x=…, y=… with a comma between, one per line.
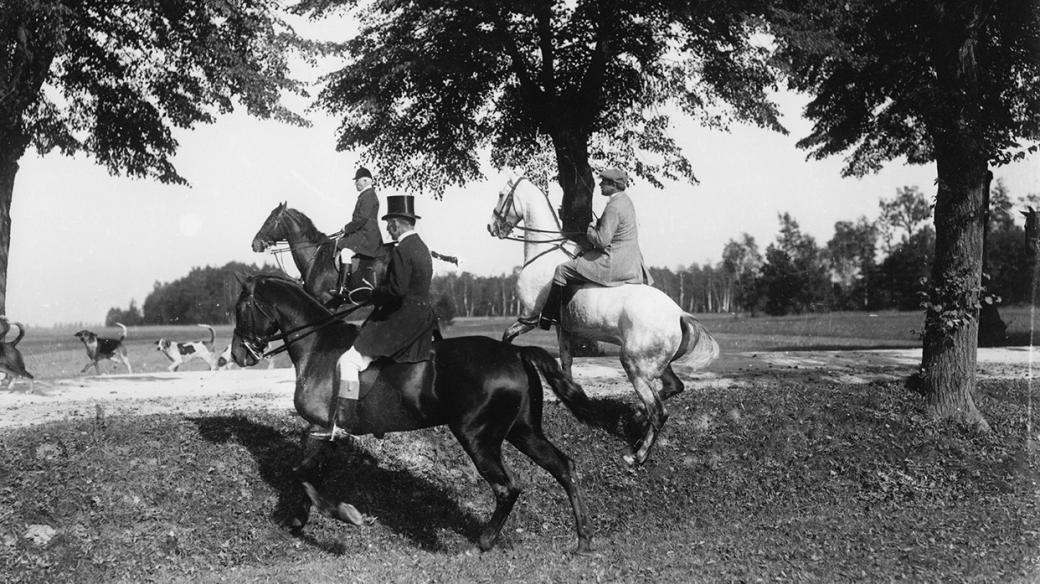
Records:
x=347, y=513
x=486, y=542
x=630, y=460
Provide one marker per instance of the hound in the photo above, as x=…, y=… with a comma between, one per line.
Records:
x=11, y=363
x=99, y=348
x=181, y=353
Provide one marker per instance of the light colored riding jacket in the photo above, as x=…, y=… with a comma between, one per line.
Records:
x=615, y=258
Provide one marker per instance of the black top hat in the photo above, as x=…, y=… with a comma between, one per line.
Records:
x=362, y=172
x=401, y=206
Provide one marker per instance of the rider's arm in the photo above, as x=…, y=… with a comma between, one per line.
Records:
x=398, y=276
x=602, y=233
x=366, y=207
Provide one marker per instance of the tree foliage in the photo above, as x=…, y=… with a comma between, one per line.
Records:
x=427, y=85
x=205, y=295
x=112, y=80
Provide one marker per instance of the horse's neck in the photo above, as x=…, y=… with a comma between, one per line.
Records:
x=291, y=316
x=304, y=242
x=539, y=216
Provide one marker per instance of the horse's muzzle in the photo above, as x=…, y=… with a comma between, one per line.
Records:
x=260, y=246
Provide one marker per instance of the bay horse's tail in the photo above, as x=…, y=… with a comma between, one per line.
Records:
x=537, y=359
x=698, y=348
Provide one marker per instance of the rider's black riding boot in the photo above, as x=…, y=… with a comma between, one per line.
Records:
x=551, y=308
x=341, y=281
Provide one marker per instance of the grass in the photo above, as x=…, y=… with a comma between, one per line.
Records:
x=810, y=482
x=795, y=482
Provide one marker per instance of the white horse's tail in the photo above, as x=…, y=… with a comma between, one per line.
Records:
x=698, y=348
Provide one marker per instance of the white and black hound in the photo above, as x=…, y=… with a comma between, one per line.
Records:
x=181, y=353
x=11, y=363
x=99, y=348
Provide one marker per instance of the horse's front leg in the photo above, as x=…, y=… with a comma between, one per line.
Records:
x=311, y=473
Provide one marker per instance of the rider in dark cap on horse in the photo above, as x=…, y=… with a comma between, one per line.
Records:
x=361, y=235
x=615, y=257
x=402, y=324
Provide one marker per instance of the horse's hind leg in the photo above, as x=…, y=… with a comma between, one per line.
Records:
x=671, y=385
x=654, y=409
x=485, y=449
x=533, y=443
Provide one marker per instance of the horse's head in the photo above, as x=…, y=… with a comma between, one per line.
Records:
x=254, y=324
x=507, y=213
x=272, y=231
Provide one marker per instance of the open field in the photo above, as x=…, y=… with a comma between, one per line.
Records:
x=771, y=468
x=51, y=353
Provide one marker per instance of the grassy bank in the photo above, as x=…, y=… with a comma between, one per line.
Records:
x=795, y=483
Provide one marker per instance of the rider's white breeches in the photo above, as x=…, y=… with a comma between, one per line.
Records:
x=351, y=364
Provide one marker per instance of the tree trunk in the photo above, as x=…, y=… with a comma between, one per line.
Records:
x=992, y=330
x=951, y=316
x=576, y=180
x=8, y=170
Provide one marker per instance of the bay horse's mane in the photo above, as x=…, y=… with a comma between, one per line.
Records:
x=250, y=284
x=307, y=228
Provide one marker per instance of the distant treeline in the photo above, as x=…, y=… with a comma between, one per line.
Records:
x=866, y=265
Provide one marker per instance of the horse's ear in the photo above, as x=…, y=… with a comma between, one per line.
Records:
x=283, y=205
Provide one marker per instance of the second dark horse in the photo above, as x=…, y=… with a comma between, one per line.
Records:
x=484, y=390
x=314, y=254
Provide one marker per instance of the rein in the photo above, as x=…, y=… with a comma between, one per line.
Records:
x=284, y=335
x=501, y=216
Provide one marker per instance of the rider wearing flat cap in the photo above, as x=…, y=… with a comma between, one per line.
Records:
x=361, y=237
x=402, y=324
x=615, y=257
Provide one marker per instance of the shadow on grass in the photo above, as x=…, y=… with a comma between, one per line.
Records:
x=411, y=506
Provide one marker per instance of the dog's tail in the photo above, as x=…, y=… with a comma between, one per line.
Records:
x=122, y=326
x=5, y=327
x=212, y=334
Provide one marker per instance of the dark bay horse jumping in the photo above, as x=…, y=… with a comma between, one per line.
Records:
x=314, y=254
x=484, y=390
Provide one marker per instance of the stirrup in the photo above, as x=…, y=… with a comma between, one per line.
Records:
x=545, y=323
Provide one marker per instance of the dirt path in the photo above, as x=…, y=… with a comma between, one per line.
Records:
x=210, y=391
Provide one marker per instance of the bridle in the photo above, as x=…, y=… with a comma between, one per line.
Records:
x=256, y=345
x=502, y=222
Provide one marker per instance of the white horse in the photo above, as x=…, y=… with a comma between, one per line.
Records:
x=651, y=330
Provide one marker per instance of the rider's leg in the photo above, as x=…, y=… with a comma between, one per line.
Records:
x=346, y=267
x=350, y=366
x=564, y=273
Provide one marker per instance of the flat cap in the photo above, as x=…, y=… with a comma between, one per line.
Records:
x=615, y=175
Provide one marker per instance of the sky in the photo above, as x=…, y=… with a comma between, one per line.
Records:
x=84, y=241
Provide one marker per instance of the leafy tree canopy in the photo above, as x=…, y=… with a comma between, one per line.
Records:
x=112, y=79
x=427, y=84
x=891, y=78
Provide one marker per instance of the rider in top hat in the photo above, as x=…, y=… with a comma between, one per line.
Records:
x=615, y=257
x=361, y=235
x=402, y=324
